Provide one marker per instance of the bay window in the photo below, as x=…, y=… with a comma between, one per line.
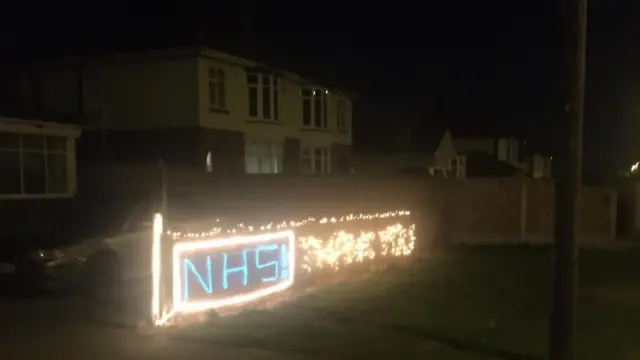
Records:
x=314, y=108
x=341, y=114
x=263, y=158
x=315, y=161
x=33, y=164
x=264, y=97
x=217, y=89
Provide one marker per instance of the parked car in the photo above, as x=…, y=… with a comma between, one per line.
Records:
x=96, y=264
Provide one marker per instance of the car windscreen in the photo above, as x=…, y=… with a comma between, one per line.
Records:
x=99, y=219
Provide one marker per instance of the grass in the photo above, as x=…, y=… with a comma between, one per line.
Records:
x=478, y=303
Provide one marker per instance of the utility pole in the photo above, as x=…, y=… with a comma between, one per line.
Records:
x=562, y=329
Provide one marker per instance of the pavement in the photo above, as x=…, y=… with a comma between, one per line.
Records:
x=58, y=328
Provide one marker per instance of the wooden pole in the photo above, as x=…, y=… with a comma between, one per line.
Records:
x=562, y=328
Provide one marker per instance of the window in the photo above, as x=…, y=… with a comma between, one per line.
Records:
x=315, y=161
x=341, y=109
x=264, y=97
x=209, y=162
x=263, y=158
x=314, y=108
x=33, y=164
x=458, y=167
x=217, y=90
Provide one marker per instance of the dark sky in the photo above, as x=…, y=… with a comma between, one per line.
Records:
x=472, y=66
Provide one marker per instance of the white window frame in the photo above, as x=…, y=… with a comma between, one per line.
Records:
x=24, y=127
x=271, y=84
x=312, y=156
x=341, y=114
x=217, y=88
x=315, y=96
x=458, y=166
x=270, y=152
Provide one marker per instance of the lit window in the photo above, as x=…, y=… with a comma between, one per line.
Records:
x=209, y=162
x=314, y=108
x=217, y=90
x=264, y=96
x=33, y=164
x=315, y=161
x=263, y=158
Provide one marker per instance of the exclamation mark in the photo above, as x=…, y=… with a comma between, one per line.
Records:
x=284, y=261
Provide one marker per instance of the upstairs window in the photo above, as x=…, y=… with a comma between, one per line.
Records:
x=341, y=114
x=264, y=97
x=314, y=108
x=217, y=89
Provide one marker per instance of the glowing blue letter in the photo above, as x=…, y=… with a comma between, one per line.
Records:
x=273, y=264
x=207, y=285
x=226, y=271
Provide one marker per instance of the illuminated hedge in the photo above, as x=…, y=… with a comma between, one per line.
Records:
x=211, y=271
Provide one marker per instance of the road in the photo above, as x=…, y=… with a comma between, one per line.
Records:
x=55, y=328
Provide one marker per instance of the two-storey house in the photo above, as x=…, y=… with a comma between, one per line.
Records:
x=198, y=107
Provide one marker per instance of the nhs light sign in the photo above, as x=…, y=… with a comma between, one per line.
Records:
x=220, y=272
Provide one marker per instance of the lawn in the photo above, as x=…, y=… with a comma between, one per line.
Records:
x=476, y=303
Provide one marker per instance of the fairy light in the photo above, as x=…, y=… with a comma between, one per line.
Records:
x=340, y=249
x=344, y=248
x=396, y=240
x=242, y=228
x=156, y=266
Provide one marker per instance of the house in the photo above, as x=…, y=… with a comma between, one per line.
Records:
x=501, y=148
x=198, y=107
x=433, y=154
x=539, y=166
x=501, y=156
x=38, y=167
x=492, y=156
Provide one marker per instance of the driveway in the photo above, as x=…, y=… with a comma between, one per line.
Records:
x=55, y=328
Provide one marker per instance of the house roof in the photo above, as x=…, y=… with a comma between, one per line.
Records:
x=163, y=53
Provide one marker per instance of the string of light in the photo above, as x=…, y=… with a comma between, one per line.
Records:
x=336, y=251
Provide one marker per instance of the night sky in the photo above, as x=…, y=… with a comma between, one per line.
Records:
x=471, y=66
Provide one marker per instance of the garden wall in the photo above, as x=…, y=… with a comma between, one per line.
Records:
x=473, y=210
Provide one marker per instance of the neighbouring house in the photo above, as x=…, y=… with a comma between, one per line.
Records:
x=483, y=165
x=505, y=149
x=489, y=156
x=199, y=107
x=433, y=154
x=539, y=166
x=38, y=167
x=628, y=207
x=495, y=156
